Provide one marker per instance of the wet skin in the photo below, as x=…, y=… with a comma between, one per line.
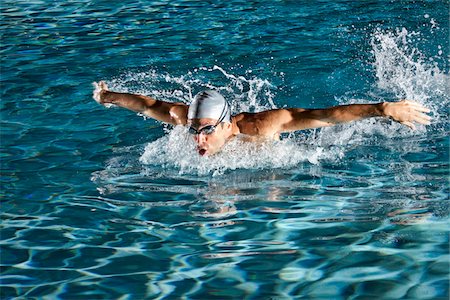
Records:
x=265, y=124
x=209, y=144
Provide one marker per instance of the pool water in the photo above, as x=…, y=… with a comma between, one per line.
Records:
x=102, y=203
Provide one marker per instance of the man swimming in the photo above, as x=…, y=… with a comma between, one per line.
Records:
x=212, y=125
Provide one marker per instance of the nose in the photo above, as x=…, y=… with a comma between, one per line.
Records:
x=200, y=138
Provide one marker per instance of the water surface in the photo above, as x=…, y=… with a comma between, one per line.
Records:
x=104, y=204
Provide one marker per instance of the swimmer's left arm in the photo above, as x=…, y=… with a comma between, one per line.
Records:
x=405, y=112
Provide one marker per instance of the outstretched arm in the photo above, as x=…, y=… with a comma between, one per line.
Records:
x=276, y=121
x=404, y=112
x=172, y=113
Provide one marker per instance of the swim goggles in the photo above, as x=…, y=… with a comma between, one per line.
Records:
x=209, y=129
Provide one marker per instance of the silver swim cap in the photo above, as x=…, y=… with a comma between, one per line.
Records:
x=210, y=104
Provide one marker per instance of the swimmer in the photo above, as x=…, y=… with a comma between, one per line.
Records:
x=211, y=124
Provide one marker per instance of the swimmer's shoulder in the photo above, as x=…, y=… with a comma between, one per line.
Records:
x=241, y=123
x=266, y=123
x=255, y=124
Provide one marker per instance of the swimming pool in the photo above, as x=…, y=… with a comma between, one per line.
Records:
x=104, y=204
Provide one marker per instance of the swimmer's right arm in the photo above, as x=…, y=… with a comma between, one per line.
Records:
x=167, y=112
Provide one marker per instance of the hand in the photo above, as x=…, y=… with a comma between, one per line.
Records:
x=406, y=112
x=100, y=89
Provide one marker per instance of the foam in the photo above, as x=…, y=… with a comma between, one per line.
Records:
x=405, y=71
x=177, y=150
x=399, y=67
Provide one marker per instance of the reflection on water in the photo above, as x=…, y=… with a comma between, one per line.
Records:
x=101, y=204
x=376, y=215
x=318, y=228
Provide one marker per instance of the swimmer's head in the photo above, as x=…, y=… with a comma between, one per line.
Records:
x=209, y=121
x=211, y=105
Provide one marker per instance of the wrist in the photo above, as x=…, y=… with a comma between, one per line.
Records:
x=382, y=109
x=105, y=96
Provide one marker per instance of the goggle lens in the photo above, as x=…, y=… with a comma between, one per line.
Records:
x=207, y=130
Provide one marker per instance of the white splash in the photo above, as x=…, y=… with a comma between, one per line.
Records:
x=403, y=70
x=244, y=94
x=400, y=68
x=177, y=150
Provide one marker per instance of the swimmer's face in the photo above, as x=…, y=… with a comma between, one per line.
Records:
x=208, y=135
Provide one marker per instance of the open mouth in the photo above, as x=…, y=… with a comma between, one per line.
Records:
x=202, y=152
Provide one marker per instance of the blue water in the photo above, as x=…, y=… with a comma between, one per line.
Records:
x=101, y=203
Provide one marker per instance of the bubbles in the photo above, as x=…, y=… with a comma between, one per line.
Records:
x=434, y=24
x=402, y=69
x=177, y=150
x=250, y=92
x=244, y=94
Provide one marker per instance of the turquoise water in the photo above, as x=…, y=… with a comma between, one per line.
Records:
x=104, y=204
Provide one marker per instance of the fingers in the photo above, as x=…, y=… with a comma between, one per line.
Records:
x=99, y=87
x=418, y=118
x=417, y=114
x=418, y=107
x=422, y=118
x=409, y=124
x=422, y=109
x=97, y=91
x=103, y=85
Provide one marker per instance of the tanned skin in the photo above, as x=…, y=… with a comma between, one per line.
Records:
x=265, y=124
